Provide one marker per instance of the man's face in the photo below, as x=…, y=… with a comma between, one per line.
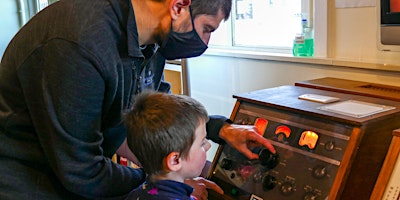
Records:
x=184, y=40
x=203, y=23
x=206, y=24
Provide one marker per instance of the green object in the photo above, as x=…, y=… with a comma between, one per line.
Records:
x=234, y=191
x=303, y=47
x=303, y=44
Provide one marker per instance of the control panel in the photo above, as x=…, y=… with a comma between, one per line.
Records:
x=304, y=167
x=321, y=154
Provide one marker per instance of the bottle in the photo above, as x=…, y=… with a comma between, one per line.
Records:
x=299, y=48
x=303, y=44
x=308, y=38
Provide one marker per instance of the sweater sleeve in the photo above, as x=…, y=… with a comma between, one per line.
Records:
x=213, y=127
x=65, y=91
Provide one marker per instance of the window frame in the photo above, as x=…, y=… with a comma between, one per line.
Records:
x=319, y=18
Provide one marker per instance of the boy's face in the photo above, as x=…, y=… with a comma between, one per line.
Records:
x=194, y=163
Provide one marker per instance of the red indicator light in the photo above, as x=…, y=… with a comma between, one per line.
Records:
x=261, y=124
x=283, y=130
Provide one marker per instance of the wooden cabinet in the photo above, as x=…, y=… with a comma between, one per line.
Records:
x=387, y=187
x=176, y=73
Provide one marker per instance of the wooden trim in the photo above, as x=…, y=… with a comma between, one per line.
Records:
x=221, y=147
x=235, y=110
x=388, y=166
x=396, y=132
x=345, y=166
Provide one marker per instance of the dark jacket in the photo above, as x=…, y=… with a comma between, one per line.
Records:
x=162, y=190
x=65, y=80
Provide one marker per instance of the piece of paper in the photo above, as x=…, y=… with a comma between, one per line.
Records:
x=355, y=3
x=356, y=109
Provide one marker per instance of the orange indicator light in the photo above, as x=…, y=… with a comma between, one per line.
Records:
x=283, y=130
x=261, y=124
x=308, y=138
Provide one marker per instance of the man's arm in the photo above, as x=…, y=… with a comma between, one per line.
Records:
x=64, y=93
x=240, y=137
x=214, y=126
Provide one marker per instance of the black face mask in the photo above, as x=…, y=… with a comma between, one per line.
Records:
x=182, y=45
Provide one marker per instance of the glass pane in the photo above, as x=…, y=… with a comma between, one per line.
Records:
x=222, y=37
x=270, y=23
x=43, y=4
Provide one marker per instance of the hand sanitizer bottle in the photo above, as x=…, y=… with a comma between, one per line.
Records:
x=303, y=44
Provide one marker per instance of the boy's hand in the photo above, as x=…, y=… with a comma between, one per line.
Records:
x=200, y=186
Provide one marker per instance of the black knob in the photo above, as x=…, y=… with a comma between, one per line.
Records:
x=257, y=177
x=268, y=182
x=287, y=188
x=330, y=145
x=268, y=159
x=310, y=196
x=319, y=171
x=226, y=164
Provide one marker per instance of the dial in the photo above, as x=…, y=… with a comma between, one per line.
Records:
x=310, y=196
x=287, y=188
x=226, y=164
x=257, y=177
x=319, y=171
x=268, y=182
x=330, y=145
x=268, y=159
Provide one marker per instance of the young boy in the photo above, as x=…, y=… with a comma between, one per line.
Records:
x=168, y=135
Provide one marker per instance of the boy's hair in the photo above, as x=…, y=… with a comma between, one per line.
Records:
x=211, y=7
x=161, y=123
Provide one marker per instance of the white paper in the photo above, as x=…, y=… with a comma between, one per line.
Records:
x=355, y=3
x=356, y=109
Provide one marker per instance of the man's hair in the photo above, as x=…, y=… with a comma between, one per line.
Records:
x=211, y=7
x=161, y=123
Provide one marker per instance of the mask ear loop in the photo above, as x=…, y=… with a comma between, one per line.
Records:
x=191, y=18
x=194, y=28
x=171, y=30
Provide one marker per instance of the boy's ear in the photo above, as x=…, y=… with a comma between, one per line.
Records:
x=173, y=161
x=177, y=6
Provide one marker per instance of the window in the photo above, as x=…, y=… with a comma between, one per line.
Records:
x=42, y=4
x=268, y=25
x=28, y=8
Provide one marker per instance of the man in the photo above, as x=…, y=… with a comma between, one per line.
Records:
x=65, y=80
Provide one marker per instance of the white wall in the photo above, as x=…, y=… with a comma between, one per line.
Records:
x=214, y=79
x=355, y=32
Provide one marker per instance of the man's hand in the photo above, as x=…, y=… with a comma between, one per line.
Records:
x=244, y=137
x=200, y=186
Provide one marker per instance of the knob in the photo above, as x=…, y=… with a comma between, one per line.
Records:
x=257, y=177
x=226, y=164
x=268, y=159
x=329, y=146
x=319, y=171
x=287, y=188
x=268, y=182
x=310, y=196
